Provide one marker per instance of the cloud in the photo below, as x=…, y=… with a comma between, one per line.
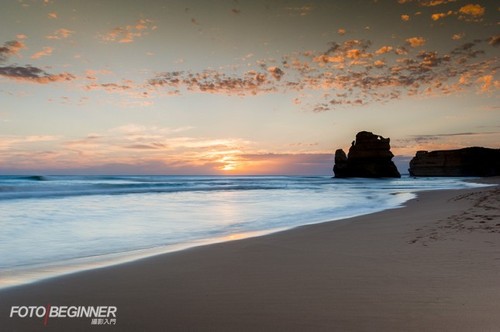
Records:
x=438, y=16
x=91, y=74
x=427, y=3
x=133, y=144
x=131, y=93
x=432, y=3
x=468, y=12
x=416, y=41
x=136, y=149
x=437, y=136
x=128, y=33
x=300, y=11
x=471, y=10
x=405, y=18
x=445, y=141
x=60, y=34
x=494, y=40
x=383, y=50
x=110, y=87
x=52, y=15
x=215, y=82
x=9, y=142
x=433, y=139
x=351, y=73
x=33, y=74
x=488, y=83
x=134, y=129
x=351, y=52
x=46, y=51
x=10, y=48
x=276, y=72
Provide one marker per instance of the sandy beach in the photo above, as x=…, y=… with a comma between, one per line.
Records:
x=432, y=265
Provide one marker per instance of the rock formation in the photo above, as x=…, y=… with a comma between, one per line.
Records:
x=474, y=161
x=369, y=157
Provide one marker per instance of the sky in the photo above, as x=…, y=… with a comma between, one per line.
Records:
x=240, y=87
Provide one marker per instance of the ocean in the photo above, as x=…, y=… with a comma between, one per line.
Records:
x=52, y=225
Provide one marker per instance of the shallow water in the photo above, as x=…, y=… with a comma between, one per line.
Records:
x=58, y=224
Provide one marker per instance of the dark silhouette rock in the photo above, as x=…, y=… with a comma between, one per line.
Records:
x=370, y=156
x=473, y=161
x=340, y=166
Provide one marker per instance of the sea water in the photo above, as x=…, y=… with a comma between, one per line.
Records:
x=51, y=225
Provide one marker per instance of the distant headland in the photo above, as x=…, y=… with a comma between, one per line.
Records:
x=472, y=161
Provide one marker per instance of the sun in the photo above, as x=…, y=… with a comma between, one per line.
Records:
x=228, y=167
x=229, y=164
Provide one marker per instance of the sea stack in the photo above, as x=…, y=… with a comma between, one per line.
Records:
x=369, y=156
x=472, y=161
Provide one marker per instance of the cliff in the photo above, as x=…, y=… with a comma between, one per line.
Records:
x=369, y=157
x=473, y=161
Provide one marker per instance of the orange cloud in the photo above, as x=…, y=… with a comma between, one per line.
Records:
x=92, y=74
x=438, y=16
x=33, y=75
x=457, y=36
x=110, y=87
x=427, y=3
x=130, y=143
x=405, y=18
x=9, y=142
x=128, y=33
x=488, y=83
x=10, y=48
x=46, y=51
x=28, y=73
x=494, y=40
x=348, y=73
x=383, y=50
x=432, y=3
x=276, y=72
x=472, y=10
x=52, y=15
x=416, y=41
x=325, y=58
x=60, y=34
x=210, y=81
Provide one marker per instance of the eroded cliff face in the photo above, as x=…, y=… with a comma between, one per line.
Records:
x=369, y=157
x=473, y=161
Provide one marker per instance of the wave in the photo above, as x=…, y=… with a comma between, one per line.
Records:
x=54, y=191
x=32, y=178
x=36, y=186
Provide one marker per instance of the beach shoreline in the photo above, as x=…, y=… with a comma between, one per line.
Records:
x=430, y=265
